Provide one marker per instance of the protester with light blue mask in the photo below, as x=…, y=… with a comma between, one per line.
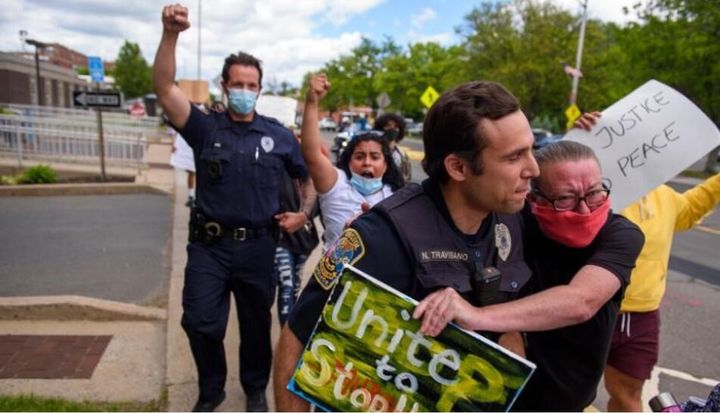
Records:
x=365, y=173
x=366, y=186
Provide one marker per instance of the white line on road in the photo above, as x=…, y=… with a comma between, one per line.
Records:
x=652, y=387
x=707, y=229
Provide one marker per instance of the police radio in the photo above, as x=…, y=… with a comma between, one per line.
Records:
x=486, y=285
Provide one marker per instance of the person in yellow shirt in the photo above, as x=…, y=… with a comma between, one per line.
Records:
x=634, y=349
x=635, y=345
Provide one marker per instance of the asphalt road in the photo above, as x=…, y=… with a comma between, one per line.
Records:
x=111, y=247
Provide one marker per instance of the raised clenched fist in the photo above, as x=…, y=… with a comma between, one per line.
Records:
x=175, y=18
x=318, y=87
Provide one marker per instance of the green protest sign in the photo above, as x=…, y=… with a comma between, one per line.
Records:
x=367, y=354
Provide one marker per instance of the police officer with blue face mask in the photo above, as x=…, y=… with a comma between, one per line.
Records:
x=240, y=157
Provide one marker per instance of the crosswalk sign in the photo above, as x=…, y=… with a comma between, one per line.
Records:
x=429, y=96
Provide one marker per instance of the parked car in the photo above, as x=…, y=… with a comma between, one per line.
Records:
x=328, y=124
x=414, y=129
x=544, y=137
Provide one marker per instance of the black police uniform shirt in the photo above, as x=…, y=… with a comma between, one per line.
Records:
x=570, y=360
x=239, y=166
x=373, y=245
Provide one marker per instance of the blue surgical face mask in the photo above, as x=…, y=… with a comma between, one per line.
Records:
x=366, y=186
x=242, y=101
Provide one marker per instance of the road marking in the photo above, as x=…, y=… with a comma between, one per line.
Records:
x=652, y=387
x=412, y=154
x=703, y=228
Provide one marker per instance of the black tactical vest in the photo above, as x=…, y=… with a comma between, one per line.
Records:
x=489, y=272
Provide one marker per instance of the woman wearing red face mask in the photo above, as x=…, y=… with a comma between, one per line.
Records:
x=574, y=242
x=581, y=255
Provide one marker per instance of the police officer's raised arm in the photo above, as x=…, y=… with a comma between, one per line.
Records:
x=173, y=101
x=322, y=171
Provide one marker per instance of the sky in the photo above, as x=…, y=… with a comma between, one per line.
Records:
x=291, y=37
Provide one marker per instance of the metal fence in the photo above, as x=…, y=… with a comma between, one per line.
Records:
x=70, y=135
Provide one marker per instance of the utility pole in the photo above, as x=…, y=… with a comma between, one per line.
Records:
x=578, y=58
x=38, y=45
x=199, y=65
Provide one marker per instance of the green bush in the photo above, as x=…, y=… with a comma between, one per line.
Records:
x=39, y=174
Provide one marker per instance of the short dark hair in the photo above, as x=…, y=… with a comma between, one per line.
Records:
x=383, y=120
x=392, y=175
x=244, y=59
x=451, y=125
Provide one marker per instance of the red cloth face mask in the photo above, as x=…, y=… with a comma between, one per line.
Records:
x=568, y=227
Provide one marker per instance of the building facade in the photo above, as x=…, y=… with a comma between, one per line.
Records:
x=18, y=82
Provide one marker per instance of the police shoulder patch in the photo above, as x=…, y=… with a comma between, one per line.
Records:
x=348, y=249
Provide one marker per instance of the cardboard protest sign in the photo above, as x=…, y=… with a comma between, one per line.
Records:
x=646, y=138
x=366, y=354
x=197, y=91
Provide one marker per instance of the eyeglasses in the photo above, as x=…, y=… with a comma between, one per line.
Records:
x=593, y=199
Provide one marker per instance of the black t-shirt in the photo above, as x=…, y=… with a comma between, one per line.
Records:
x=570, y=360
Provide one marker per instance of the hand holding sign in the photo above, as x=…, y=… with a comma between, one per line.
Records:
x=646, y=138
x=587, y=121
x=442, y=307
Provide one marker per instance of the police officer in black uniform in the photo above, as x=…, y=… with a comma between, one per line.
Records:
x=240, y=157
x=458, y=229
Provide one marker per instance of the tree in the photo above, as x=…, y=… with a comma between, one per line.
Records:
x=405, y=77
x=523, y=45
x=133, y=76
x=352, y=75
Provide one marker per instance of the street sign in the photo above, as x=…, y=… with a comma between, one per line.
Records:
x=572, y=113
x=383, y=100
x=96, y=68
x=429, y=96
x=97, y=99
x=137, y=109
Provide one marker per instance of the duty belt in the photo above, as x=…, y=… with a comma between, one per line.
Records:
x=215, y=230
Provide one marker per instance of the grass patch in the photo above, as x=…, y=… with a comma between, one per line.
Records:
x=32, y=403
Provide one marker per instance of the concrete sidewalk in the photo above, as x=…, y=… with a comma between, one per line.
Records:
x=132, y=366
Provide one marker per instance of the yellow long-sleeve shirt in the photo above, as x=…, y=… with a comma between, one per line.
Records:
x=660, y=214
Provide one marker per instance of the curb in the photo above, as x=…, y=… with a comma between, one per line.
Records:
x=117, y=188
x=74, y=307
